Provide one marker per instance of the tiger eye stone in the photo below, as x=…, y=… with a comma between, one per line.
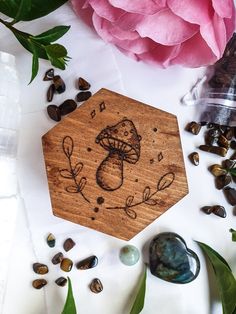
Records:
x=96, y=285
x=61, y=281
x=87, y=263
x=40, y=269
x=170, y=259
x=66, y=264
x=51, y=240
x=57, y=258
x=39, y=283
x=68, y=244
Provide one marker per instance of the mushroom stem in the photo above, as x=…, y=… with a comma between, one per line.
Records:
x=109, y=174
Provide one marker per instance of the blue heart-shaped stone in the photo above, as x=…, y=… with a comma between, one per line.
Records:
x=171, y=260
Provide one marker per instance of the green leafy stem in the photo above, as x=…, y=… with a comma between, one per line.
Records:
x=42, y=45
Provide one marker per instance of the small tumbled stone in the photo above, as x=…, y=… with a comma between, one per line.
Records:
x=217, y=170
x=60, y=85
x=194, y=127
x=40, y=269
x=82, y=96
x=49, y=75
x=57, y=258
x=66, y=264
x=68, y=244
x=83, y=84
x=67, y=107
x=221, y=151
x=219, y=211
x=54, y=113
x=230, y=195
x=39, y=283
x=87, y=263
x=96, y=286
x=223, y=181
x=129, y=255
x=223, y=142
x=207, y=209
x=194, y=158
x=51, y=240
x=50, y=92
x=61, y=281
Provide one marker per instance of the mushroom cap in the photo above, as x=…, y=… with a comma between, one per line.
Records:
x=122, y=138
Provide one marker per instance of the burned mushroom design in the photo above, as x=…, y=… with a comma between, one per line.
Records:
x=123, y=144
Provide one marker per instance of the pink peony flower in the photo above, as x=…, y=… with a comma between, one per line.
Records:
x=163, y=32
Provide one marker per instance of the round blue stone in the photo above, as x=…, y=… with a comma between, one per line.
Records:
x=171, y=260
x=129, y=255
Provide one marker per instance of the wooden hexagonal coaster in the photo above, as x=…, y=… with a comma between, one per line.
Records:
x=114, y=164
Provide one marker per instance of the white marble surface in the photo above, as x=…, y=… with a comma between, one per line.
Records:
x=159, y=88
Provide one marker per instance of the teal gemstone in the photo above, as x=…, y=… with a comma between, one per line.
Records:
x=171, y=260
x=129, y=255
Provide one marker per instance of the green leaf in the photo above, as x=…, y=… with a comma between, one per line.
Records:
x=56, y=51
x=52, y=34
x=23, y=10
x=69, y=307
x=38, y=8
x=225, y=280
x=233, y=234
x=232, y=171
x=140, y=297
x=35, y=64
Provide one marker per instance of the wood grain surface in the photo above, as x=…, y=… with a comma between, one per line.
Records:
x=114, y=164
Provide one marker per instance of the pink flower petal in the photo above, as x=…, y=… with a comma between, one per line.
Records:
x=189, y=56
x=84, y=11
x=137, y=46
x=139, y=6
x=192, y=11
x=214, y=33
x=175, y=31
x=160, y=55
x=121, y=34
x=129, y=21
x=230, y=25
x=224, y=8
x=105, y=10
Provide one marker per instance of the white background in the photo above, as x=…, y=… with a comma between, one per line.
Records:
x=107, y=67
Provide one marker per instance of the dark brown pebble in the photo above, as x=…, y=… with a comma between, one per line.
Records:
x=39, y=283
x=87, y=263
x=57, y=258
x=61, y=281
x=228, y=163
x=40, y=269
x=96, y=285
x=82, y=96
x=230, y=195
x=194, y=158
x=54, y=113
x=223, y=181
x=83, y=84
x=50, y=92
x=233, y=144
x=207, y=209
x=68, y=244
x=223, y=142
x=67, y=107
x=60, y=85
x=66, y=264
x=219, y=211
x=194, y=127
x=49, y=75
x=221, y=151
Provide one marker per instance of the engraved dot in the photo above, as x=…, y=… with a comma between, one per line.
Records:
x=126, y=133
x=100, y=200
x=89, y=149
x=155, y=129
x=92, y=218
x=96, y=209
x=123, y=124
x=151, y=161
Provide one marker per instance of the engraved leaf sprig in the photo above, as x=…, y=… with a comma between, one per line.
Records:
x=147, y=197
x=74, y=170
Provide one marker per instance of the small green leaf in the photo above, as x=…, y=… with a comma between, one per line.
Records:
x=52, y=34
x=232, y=171
x=56, y=51
x=23, y=10
x=38, y=8
x=233, y=234
x=35, y=64
x=140, y=297
x=224, y=278
x=69, y=307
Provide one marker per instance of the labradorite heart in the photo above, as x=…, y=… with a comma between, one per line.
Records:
x=171, y=260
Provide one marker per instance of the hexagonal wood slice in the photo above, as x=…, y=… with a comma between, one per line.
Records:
x=114, y=164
